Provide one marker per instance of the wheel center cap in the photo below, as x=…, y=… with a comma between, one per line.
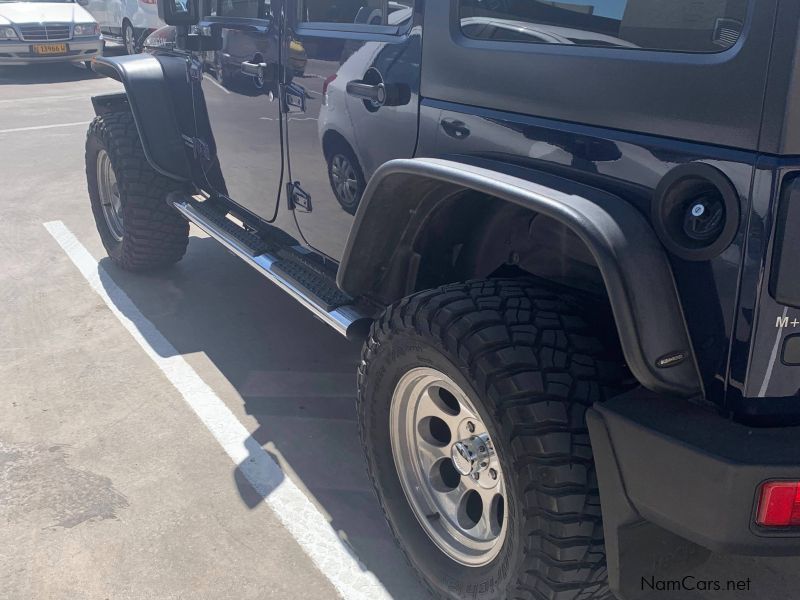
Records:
x=463, y=459
x=472, y=455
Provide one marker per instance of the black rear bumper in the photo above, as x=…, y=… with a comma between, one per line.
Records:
x=676, y=479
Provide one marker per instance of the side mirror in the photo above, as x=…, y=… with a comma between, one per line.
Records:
x=179, y=12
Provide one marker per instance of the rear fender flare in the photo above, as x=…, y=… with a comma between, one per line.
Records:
x=633, y=264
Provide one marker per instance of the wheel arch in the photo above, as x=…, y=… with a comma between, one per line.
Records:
x=382, y=259
x=333, y=137
x=156, y=91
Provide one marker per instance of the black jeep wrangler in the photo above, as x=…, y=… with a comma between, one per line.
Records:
x=568, y=233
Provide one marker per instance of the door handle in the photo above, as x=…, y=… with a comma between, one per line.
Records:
x=375, y=93
x=455, y=128
x=253, y=69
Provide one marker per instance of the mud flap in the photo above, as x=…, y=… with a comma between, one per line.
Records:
x=637, y=551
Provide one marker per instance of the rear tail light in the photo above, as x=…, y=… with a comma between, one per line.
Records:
x=328, y=80
x=779, y=504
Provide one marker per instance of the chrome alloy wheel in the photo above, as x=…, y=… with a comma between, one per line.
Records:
x=448, y=467
x=345, y=180
x=109, y=195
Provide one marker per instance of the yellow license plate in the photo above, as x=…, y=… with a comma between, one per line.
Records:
x=43, y=49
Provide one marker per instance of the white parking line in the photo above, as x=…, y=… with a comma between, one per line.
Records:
x=214, y=81
x=40, y=98
x=295, y=511
x=43, y=127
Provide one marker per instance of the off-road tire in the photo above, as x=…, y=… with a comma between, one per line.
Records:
x=155, y=235
x=532, y=366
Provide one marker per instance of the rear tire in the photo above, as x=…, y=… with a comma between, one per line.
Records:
x=529, y=364
x=139, y=230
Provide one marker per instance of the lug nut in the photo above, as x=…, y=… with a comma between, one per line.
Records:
x=476, y=476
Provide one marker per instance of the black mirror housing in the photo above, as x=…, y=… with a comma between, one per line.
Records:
x=179, y=12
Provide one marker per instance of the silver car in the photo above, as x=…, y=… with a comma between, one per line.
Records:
x=54, y=31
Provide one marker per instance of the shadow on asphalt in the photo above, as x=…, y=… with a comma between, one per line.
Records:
x=296, y=377
x=49, y=73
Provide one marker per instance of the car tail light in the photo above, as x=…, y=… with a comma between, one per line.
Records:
x=779, y=504
x=328, y=80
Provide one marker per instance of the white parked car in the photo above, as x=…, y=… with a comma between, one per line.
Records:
x=32, y=31
x=127, y=22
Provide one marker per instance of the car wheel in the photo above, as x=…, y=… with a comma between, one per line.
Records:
x=471, y=405
x=137, y=227
x=128, y=38
x=346, y=178
x=259, y=80
x=220, y=74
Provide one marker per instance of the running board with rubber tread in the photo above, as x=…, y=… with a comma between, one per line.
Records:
x=290, y=273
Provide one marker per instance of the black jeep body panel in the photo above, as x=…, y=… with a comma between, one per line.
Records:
x=715, y=99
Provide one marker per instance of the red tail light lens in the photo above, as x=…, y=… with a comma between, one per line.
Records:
x=328, y=80
x=779, y=504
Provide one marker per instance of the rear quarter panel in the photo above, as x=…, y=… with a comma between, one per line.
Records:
x=618, y=120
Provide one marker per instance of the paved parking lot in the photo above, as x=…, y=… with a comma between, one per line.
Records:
x=114, y=483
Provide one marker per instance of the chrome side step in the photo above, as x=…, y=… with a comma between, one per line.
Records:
x=349, y=320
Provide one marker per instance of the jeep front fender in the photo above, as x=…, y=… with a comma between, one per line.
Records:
x=152, y=101
x=638, y=278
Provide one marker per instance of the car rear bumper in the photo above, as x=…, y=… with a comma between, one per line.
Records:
x=21, y=53
x=684, y=474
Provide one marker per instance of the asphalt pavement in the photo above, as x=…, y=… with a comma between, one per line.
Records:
x=114, y=482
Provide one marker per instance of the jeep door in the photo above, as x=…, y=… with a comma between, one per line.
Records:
x=241, y=97
x=353, y=104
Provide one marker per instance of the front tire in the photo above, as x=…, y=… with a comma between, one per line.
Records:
x=220, y=74
x=139, y=230
x=520, y=364
x=129, y=38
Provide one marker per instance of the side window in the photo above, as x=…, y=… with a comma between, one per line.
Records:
x=675, y=25
x=359, y=12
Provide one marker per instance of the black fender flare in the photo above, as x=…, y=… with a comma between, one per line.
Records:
x=633, y=263
x=150, y=84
